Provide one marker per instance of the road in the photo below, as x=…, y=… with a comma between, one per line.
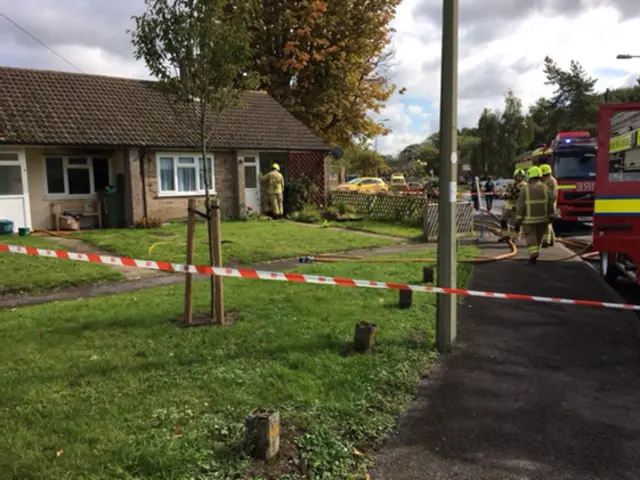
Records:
x=629, y=291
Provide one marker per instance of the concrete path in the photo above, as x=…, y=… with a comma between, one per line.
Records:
x=92, y=291
x=72, y=244
x=534, y=391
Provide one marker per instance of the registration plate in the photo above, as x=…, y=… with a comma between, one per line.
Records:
x=585, y=219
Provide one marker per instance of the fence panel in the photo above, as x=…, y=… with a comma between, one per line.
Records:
x=384, y=207
x=464, y=220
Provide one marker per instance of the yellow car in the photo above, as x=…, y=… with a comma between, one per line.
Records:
x=368, y=185
x=397, y=180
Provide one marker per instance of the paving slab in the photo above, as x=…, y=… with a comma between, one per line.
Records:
x=534, y=391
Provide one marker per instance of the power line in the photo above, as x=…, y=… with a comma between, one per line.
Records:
x=26, y=32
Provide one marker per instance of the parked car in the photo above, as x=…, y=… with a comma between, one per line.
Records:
x=413, y=187
x=367, y=185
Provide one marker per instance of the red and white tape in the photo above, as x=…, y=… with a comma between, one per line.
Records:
x=296, y=277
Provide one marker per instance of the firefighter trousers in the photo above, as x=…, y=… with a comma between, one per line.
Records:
x=275, y=203
x=534, y=234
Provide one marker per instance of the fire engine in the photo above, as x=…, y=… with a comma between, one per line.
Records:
x=616, y=225
x=572, y=155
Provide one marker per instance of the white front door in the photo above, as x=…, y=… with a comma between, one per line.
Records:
x=14, y=189
x=252, y=181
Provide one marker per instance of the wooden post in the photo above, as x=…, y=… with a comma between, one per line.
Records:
x=427, y=275
x=191, y=242
x=262, y=434
x=216, y=239
x=365, y=336
x=406, y=298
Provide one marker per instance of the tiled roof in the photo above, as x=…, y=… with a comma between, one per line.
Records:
x=42, y=107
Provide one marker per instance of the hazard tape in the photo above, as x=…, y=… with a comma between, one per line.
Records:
x=296, y=277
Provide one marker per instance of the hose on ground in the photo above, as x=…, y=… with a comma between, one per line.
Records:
x=575, y=243
x=49, y=232
x=493, y=227
x=353, y=258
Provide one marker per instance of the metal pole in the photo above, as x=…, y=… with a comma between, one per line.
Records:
x=476, y=180
x=447, y=251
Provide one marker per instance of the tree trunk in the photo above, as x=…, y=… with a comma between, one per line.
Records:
x=207, y=200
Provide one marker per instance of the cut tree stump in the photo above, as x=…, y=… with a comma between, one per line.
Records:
x=262, y=434
x=365, y=336
x=406, y=298
x=427, y=275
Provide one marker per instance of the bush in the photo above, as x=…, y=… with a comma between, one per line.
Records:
x=148, y=222
x=300, y=193
x=308, y=214
x=331, y=213
x=344, y=208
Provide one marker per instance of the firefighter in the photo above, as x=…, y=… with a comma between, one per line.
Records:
x=552, y=184
x=534, y=211
x=275, y=188
x=512, y=193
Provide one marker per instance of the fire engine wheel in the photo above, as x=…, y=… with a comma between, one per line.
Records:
x=608, y=268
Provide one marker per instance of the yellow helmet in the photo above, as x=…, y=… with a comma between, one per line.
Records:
x=534, y=172
x=275, y=166
x=518, y=173
x=545, y=169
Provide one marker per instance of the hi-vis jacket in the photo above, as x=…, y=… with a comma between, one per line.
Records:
x=535, y=204
x=552, y=184
x=274, y=182
x=512, y=192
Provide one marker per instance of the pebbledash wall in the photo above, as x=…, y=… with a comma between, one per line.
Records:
x=139, y=167
x=229, y=183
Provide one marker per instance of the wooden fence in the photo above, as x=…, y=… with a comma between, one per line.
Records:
x=464, y=220
x=413, y=210
x=384, y=207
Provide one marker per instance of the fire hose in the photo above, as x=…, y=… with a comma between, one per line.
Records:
x=493, y=227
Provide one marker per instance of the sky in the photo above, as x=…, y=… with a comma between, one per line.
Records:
x=502, y=45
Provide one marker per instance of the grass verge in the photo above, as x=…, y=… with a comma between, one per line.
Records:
x=108, y=388
x=27, y=274
x=396, y=229
x=245, y=242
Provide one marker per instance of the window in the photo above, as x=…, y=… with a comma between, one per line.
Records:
x=10, y=180
x=575, y=166
x=76, y=175
x=625, y=166
x=183, y=174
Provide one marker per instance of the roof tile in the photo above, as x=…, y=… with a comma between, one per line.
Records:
x=59, y=108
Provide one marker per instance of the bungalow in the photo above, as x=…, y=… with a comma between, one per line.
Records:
x=65, y=137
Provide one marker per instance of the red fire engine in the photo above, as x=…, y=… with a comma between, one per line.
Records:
x=572, y=156
x=616, y=226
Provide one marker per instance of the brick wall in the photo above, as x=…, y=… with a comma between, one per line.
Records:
x=313, y=165
x=166, y=208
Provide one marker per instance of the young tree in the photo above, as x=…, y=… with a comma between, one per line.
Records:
x=200, y=51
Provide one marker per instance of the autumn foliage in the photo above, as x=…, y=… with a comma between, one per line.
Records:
x=326, y=62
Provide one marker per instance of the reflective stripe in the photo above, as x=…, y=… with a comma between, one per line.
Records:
x=528, y=202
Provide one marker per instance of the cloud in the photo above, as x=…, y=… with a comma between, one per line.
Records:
x=502, y=44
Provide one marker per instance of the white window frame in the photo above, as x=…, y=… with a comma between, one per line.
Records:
x=196, y=157
x=66, y=167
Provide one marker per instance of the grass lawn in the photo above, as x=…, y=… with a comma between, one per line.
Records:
x=24, y=273
x=249, y=242
x=397, y=229
x=107, y=388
